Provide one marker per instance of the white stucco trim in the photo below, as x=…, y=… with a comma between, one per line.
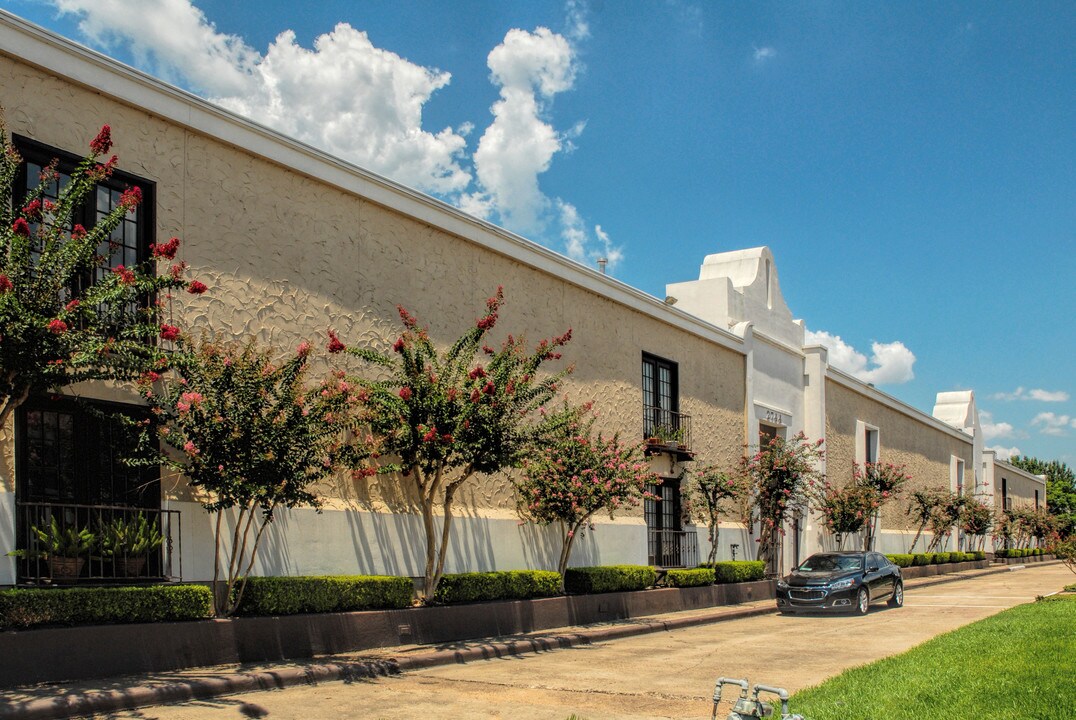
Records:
x=784, y=347
x=57, y=55
x=861, y=446
x=846, y=380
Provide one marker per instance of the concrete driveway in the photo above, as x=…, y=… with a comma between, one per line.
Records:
x=660, y=675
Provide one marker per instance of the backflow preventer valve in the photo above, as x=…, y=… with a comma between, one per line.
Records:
x=748, y=706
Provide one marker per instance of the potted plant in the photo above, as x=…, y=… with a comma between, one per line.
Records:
x=129, y=542
x=63, y=549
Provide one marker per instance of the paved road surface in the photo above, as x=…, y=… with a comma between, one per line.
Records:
x=660, y=675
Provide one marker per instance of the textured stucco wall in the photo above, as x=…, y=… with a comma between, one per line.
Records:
x=923, y=449
x=1020, y=488
x=286, y=256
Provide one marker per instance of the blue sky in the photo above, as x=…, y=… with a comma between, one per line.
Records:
x=911, y=165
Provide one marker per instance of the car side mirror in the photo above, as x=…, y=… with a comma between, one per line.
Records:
x=872, y=568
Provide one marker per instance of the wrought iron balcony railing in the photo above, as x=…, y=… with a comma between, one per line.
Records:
x=66, y=543
x=668, y=429
x=674, y=548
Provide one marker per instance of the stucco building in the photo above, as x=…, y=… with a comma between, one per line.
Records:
x=291, y=241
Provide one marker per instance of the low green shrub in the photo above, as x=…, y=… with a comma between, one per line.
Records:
x=734, y=571
x=1002, y=553
x=499, y=585
x=957, y=556
x=26, y=608
x=920, y=559
x=940, y=558
x=523, y=584
x=901, y=559
x=327, y=593
x=690, y=578
x=609, y=578
x=978, y=554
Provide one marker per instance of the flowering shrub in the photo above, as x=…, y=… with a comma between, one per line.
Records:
x=976, y=519
x=441, y=417
x=55, y=330
x=781, y=474
x=250, y=435
x=881, y=482
x=575, y=475
x=710, y=493
x=845, y=510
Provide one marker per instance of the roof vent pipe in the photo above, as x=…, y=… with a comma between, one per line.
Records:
x=602, y=263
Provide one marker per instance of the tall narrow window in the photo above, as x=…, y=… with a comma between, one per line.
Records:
x=664, y=530
x=661, y=403
x=129, y=242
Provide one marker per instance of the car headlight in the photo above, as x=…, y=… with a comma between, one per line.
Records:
x=842, y=584
x=782, y=585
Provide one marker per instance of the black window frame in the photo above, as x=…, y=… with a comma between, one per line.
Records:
x=38, y=153
x=88, y=417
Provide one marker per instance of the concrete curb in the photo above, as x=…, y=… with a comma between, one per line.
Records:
x=75, y=705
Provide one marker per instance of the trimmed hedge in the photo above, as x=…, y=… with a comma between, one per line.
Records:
x=320, y=594
x=1019, y=552
x=27, y=608
x=500, y=585
x=609, y=578
x=734, y=571
x=690, y=578
x=906, y=560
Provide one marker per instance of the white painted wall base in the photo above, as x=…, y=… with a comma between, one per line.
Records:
x=355, y=542
x=7, y=537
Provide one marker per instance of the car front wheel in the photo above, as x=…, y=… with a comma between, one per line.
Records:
x=898, y=596
x=863, y=602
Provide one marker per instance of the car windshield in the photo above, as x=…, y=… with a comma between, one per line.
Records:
x=831, y=563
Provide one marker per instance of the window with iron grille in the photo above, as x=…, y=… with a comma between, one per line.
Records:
x=129, y=242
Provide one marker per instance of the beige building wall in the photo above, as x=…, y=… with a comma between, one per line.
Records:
x=905, y=437
x=287, y=256
x=1020, y=487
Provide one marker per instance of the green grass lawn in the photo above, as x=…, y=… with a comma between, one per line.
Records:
x=1017, y=665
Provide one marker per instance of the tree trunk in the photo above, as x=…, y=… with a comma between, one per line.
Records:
x=715, y=530
x=570, y=531
x=918, y=534
x=839, y=539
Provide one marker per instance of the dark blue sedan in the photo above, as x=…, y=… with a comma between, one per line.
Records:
x=840, y=582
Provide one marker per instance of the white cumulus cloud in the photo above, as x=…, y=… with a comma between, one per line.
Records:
x=345, y=96
x=890, y=363
x=1022, y=393
x=993, y=430
x=1005, y=453
x=1053, y=424
x=365, y=104
x=519, y=144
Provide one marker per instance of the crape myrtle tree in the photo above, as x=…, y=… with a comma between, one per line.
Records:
x=441, y=417
x=977, y=519
x=711, y=493
x=781, y=475
x=943, y=517
x=845, y=510
x=576, y=474
x=881, y=483
x=66, y=315
x=251, y=436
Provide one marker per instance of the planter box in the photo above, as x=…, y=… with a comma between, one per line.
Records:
x=1023, y=560
x=919, y=571
x=54, y=654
